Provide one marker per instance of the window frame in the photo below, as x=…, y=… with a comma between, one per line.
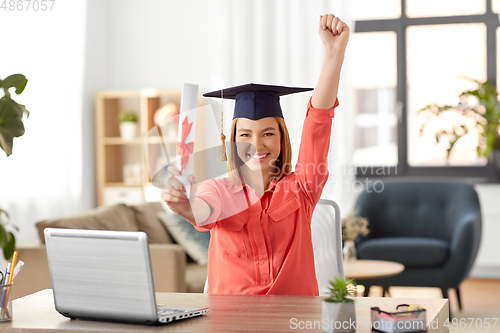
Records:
x=399, y=26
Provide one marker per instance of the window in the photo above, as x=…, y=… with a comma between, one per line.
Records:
x=406, y=56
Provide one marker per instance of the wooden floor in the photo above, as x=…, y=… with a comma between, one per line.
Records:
x=480, y=299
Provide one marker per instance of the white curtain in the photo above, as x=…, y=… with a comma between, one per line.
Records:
x=277, y=42
x=43, y=177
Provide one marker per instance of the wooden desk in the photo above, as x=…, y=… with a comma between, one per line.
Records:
x=228, y=313
x=372, y=269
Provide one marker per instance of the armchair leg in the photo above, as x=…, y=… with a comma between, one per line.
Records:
x=445, y=292
x=457, y=290
x=367, y=291
x=445, y=295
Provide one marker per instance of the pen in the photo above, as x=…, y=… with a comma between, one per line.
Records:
x=18, y=267
x=7, y=273
x=14, y=258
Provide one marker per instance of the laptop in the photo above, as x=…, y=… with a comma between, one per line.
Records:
x=106, y=275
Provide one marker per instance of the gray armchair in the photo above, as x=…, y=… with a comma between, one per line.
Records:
x=433, y=228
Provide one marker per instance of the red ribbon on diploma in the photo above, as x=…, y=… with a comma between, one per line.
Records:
x=183, y=148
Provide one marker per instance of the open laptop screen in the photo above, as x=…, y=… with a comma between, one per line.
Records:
x=101, y=274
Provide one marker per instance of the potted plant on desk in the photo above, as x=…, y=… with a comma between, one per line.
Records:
x=338, y=313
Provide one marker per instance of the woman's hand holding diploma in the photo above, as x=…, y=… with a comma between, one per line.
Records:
x=192, y=209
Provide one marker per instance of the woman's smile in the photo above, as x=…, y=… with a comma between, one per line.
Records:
x=258, y=157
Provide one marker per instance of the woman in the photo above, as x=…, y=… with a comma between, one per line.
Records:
x=259, y=217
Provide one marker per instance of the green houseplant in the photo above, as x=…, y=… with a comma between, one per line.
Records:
x=11, y=126
x=482, y=115
x=338, y=313
x=128, y=124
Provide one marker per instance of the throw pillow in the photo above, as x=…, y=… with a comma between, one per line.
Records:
x=194, y=242
x=118, y=217
x=147, y=221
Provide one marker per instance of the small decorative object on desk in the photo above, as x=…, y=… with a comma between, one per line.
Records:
x=409, y=318
x=352, y=226
x=338, y=313
x=128, y=124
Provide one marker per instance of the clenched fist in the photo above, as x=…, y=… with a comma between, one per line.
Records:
x=334, y=33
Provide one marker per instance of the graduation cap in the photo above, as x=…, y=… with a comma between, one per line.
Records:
x=253, y=101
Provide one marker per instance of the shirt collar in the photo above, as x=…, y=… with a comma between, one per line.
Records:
x=239, y=187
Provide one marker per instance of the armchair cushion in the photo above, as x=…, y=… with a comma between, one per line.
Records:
x=409, y=251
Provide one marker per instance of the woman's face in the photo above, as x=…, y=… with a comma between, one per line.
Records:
x=264, y=143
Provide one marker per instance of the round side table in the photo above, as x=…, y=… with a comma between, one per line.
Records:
x=371, y=269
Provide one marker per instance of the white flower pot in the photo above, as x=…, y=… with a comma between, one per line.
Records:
x=128, y=130
x=338, y=317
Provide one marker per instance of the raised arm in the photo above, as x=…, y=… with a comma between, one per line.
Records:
x=312, y=163
x=334, y=34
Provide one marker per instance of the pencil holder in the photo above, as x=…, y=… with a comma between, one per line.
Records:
x=6, y=302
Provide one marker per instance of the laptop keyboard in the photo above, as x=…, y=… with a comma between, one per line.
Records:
x=165, y=311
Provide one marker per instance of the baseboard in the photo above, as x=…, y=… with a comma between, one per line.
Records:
x=485, y=272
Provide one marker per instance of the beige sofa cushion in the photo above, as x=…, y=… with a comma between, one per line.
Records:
x=196, y=275
x=147, y=221
x=118, y=217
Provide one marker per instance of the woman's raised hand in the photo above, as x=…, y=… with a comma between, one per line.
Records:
x=175, y=197
x=334, y=33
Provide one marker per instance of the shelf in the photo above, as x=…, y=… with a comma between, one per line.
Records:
x=124, y=185
x=157, y=140
x=120, y=141
x=119, y=159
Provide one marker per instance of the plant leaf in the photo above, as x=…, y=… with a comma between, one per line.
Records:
x=3, y=236
x=11, y=125
x=18, y=81
x=4, y=212
x=10, y=247
x=8, y=131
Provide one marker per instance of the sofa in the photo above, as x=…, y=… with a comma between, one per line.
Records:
x=176, y=266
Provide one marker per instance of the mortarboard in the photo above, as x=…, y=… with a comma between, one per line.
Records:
x=256, y=101
x=253, y=101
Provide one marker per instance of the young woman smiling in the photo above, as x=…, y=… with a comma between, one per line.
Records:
x=260, y=215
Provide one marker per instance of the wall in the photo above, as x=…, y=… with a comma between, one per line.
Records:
x=488, y=259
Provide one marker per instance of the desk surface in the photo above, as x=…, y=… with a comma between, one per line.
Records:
x=228, y=313
x=370, y=269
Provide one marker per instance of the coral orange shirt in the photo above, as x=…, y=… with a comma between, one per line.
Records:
x=266, y=247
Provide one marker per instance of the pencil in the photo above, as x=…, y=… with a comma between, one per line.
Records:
x=14, y=258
